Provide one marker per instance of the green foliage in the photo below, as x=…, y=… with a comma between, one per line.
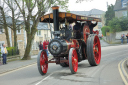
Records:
x=115, y=25
x=110, y=14
x=105, y=29
x=124, y=23
x=118, y=24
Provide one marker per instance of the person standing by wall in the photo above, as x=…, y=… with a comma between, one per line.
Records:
x=122, y=38
x=4, y=53
x=45, y=45
x=127, y=38
x=41, y=46
x=91, y=26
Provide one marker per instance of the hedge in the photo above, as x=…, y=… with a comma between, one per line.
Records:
x=105, y=29
x=11, y=51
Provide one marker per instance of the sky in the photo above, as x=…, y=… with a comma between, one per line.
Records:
x=86, y=6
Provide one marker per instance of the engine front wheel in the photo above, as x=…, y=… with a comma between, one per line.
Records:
x=42, y=64
x=93, y=50
x=73, y=60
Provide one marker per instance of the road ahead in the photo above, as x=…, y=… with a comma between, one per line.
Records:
x=107, y=73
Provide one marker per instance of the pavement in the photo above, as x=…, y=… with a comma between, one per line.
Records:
x=13, y=65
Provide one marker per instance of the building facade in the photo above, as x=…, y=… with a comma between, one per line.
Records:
x=120, y=8
x=42, y=34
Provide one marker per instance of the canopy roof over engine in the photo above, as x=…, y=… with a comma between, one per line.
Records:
x=48, y=18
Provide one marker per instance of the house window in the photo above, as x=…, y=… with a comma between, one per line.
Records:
x=45, y=36
x=39, y=33
x=124, y=13
x=99, y=25
x=1, y=31
x=124, y=3
x=18, y=31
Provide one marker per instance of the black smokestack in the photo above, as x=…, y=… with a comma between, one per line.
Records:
x=56, y=17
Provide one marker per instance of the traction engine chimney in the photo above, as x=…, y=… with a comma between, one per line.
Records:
x=56, y=17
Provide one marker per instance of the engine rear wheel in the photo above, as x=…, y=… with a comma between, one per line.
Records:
x=73, y=60
x=93, y=50
x=42, y=64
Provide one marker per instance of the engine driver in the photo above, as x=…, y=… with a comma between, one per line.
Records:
x=91, y=26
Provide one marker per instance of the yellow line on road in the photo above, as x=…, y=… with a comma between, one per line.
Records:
x=13, y=70
x=121, y=74
x=124, y=69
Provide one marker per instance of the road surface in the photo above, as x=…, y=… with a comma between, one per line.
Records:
x=107, y=73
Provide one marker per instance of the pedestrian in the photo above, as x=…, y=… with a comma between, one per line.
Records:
x=91, y=26
x=127, y=38
x=4, y=53
x=122, y=38
x=45, y=45
x=41, y=46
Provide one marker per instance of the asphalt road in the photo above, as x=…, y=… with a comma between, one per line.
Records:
x=107, y=73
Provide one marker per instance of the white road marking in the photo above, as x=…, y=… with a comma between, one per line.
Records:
x=46, y=77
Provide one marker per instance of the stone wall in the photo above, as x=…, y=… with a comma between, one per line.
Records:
x=118, y=34
x=110, y=37
x=34, y=52
x=3, y=38
x=115, y=38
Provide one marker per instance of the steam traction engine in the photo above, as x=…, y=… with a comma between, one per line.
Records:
x=70, y=46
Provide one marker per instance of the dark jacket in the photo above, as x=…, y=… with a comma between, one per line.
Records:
x=91, y=27
x=127, y=36
x=40, y=47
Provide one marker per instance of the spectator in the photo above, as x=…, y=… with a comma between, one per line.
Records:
x=122, y=38
x=91, y=26
x=4, y=53
x=127, y=38
x=45, y=45
x=41, y=46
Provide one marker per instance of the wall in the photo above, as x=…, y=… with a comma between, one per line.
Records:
x=118, y=34
x=110, y=37
x=3, y=38
x=115, y=38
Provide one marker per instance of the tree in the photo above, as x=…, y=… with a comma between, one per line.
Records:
x=4, y=23
x=115, y=25
x=79, y=1
x=15, y=16
x=109, y=14
x=28, y=10
x=124, y=23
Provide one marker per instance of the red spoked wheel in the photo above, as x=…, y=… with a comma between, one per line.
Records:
x=73, y=60
x=42, y=64
x=93, y=50
x=85, y=31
